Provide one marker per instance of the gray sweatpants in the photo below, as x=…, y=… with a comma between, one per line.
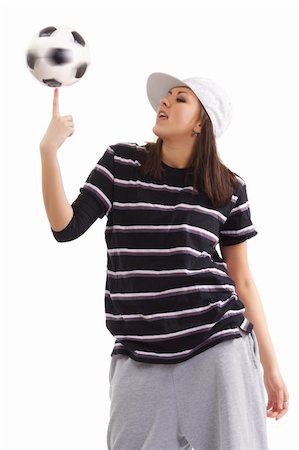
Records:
x=213, y=401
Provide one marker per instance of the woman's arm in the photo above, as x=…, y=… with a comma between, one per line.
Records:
x=254, y=312
x=235, y=257
x=58, y=209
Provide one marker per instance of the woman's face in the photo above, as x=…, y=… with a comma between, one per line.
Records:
x=183, y=111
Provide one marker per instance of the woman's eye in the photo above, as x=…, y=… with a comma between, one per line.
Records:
x=181, y=100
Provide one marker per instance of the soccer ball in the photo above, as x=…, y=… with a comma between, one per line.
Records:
x=58, y=56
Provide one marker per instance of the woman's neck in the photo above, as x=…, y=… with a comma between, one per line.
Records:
x=176, y=157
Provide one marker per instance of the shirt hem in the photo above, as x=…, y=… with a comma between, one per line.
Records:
x=245, y=326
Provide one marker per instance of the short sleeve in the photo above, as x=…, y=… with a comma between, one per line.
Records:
x=86, y=211
x=100, y=182
x=238, y=227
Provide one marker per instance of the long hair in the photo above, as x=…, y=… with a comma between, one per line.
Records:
x=210, y=175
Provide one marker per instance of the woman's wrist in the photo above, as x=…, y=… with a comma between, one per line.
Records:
x=46, y=150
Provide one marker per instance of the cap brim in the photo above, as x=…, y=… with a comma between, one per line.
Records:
x=158, y=85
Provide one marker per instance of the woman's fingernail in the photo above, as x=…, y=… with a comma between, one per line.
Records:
x=55, y=90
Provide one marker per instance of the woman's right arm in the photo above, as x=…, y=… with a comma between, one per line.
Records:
x=67, y=221
x=58, y=209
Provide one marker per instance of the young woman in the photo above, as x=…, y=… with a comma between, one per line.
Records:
x=189, y=327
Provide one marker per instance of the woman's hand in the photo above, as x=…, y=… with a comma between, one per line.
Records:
x=277, y=393
x=58, y=130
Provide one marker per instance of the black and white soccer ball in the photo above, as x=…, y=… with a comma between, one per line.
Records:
x=58, y=56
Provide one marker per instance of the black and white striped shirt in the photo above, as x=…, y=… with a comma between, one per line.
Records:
x=168, y=294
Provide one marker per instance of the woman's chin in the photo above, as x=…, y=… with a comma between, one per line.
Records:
x=158, y=132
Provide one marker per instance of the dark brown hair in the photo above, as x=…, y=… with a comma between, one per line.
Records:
x=210, y=175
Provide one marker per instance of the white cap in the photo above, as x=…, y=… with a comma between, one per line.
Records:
x=212, y=96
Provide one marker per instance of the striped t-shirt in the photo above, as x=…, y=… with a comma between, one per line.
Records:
x=168, y=294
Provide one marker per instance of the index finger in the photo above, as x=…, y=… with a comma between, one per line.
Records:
x=55, y=103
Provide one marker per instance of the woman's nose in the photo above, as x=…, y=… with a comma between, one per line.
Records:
x=164, y=101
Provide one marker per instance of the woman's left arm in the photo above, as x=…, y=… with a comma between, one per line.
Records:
x=235, y=256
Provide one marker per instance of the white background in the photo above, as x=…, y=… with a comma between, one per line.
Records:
x=55, y=348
